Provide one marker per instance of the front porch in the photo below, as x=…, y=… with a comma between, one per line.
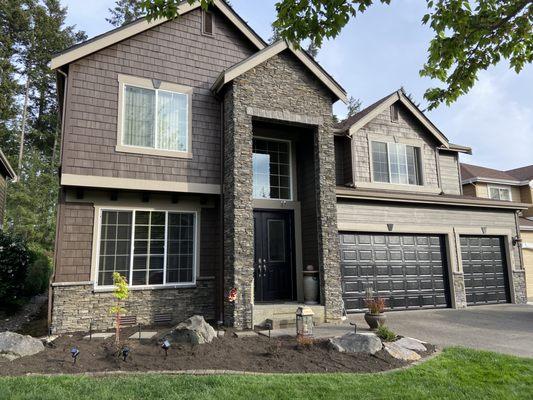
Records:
x=283, y=315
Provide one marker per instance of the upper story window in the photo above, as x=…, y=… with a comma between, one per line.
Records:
x=155, y=117
x=500, y=193
x=396, y=163
x=147, y=247
x=271, y=169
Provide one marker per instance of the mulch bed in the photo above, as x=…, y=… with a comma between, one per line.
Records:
x=252, y=354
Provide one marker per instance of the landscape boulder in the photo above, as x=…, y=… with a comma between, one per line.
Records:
x=356, y=343
x=13, y=345
x=411, y=344
x=401, y=353
x=193, y=330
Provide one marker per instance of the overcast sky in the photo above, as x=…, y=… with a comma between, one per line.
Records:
x=383, y=50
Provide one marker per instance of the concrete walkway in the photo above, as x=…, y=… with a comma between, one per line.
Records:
x=504, y=328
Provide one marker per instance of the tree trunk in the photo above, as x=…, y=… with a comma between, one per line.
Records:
x=23, y=125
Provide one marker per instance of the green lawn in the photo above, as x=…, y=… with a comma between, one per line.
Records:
x=455, y=374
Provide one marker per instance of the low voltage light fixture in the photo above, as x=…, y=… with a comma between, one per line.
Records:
x=74, y=352
x=165, y=346
x=125, y=352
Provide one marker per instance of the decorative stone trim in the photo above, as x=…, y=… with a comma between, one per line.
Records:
x=285, y=116
x=459, y=291
x=518, y=286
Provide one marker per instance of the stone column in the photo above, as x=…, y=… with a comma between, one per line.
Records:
x=459, y=292
x=328, y=236
x=238, y=213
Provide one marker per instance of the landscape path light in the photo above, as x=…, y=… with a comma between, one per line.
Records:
x=304, y=321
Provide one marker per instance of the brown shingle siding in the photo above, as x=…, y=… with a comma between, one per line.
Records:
x=174, y=52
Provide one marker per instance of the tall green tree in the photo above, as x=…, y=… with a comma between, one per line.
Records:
x=469, y=35
x=35, y=31
x=124, y=12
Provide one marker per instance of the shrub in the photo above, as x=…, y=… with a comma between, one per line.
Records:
x=375, y=305
x=386, y=334
x=14, y=262
x=304, y=342
x=38, y=276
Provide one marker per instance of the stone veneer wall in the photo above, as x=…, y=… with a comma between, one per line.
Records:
x=518, y=286
x=280, y=86
x=459, y=291
x=75, y=307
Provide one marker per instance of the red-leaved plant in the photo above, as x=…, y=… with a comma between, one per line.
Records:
x=375, y=305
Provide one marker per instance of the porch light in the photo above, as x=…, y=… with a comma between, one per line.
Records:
x=304, y=321
x=517, y=241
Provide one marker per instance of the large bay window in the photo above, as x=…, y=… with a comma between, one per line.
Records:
x=147, y=247
x=155, y=120
x=396, y=163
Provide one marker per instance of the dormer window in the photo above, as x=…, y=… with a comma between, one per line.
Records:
x=396, y=163
x=394, y=113
x=207, y=23
x=500, y=193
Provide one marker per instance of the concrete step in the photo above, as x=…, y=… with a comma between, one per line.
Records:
x=283, y=315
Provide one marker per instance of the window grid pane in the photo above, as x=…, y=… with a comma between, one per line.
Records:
x=139, y=116
x=180, y=245
x=149, y=248
x=271, y=169
x=395, y=163
x=380, y=162
x=115, y=245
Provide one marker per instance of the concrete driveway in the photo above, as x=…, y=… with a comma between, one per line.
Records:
x=505, y=328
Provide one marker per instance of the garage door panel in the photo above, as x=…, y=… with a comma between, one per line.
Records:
x=485, y=270
x=409, y=271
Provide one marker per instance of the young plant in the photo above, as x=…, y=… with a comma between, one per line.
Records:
x=304, y=342
x=386, y=334
x=121, y=293
x=375, y=305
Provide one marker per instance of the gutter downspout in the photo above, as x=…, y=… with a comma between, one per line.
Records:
x=519, y=236
x=219, y=292
x=439, y=178
x=59, y=198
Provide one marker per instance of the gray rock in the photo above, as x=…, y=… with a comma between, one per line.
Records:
x=401, y=353
x=193, y=330
x=13, y=345
x=411, y=344
x=356, y=343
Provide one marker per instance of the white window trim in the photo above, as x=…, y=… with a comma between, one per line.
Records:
x=196, y=257
x=291, y=170
x=421, y=182
x=127, y=80
x=499, y=187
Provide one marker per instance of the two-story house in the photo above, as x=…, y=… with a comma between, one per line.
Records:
x=196, y=159
x=513, y=185
x=6, y=174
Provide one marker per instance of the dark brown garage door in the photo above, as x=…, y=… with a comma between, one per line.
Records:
x=485, y=270
x=409, y=271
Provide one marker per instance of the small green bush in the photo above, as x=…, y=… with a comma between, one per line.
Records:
x=386, y=334
x=14, y=263
x=38, y=276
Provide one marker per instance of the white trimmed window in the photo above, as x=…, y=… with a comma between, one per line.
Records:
x=396, y=163
x=155, y=117
x=500, y=193
x=271, y=161
x=149, y=248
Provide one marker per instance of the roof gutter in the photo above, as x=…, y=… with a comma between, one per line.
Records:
x=428, y=199
x=495, y=181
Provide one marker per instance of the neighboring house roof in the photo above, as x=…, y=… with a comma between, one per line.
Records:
x=267, y=53
x=474, y=173
x=5, y=167
x=363, y=117
x=523, y=173
x=124, y=32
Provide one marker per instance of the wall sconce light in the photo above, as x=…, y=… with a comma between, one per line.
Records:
x=390, y=227
x=517, y=241
x=484, y=230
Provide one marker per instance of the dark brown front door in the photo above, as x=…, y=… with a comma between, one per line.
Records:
x=273, y=261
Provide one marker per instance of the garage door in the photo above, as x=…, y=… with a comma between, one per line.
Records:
x=409, y=271
x=485, y=270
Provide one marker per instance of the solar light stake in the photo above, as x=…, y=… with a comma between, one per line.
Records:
x=125, y=352
x=74, y=352
x=165, y=346
x=354, y=326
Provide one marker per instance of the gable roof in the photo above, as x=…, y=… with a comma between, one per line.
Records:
x=523, y=173
x=124, y=32
x=5, y=167
x=472, y=173
x=267, y=53
x=363, y=117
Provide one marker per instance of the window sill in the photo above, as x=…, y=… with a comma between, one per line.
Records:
x=153, y=152
x=110, y=289
x=399, y=187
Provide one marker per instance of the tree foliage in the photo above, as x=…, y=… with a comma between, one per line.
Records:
x=469, y=35
x=124, y=12
x=354, y=106
x=32, y=31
